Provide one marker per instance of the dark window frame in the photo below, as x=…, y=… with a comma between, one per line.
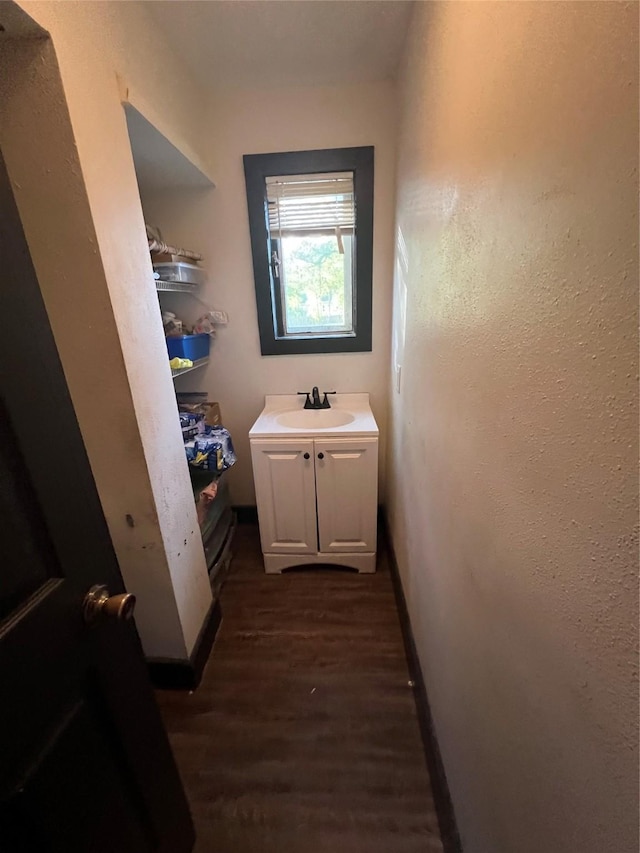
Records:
x=257, y=167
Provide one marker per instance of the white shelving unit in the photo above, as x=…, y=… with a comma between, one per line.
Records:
x=181, y=287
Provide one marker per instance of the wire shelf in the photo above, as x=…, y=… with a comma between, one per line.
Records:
x=196, y=364
x=175, y=286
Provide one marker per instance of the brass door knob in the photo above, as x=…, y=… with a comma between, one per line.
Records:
x=98, y=603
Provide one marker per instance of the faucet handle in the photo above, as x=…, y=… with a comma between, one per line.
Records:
x=307, y=402
x=325, y=403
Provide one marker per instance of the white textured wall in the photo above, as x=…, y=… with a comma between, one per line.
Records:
x=77, y=193
x=216, y=223
x=512, y=472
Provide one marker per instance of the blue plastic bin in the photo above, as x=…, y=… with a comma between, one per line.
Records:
x=188, y=346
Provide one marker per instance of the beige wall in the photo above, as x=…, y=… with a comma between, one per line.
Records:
x=512, y=472
x=68, y=154
x=216, y=223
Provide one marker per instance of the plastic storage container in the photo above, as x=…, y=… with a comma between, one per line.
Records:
x=184, y=273
x=188, y=346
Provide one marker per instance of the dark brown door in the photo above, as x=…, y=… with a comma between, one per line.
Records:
x=85, y=765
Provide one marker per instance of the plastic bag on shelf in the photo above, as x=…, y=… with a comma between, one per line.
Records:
x=171, y=324
x=205, y=499
x=211, y=450
x=207, y=323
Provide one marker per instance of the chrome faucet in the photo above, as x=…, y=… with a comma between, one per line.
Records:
x=313, y=399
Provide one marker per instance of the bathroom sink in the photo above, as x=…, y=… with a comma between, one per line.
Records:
x=283, y=417
x=315, y=419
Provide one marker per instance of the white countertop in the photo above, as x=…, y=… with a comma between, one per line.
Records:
x=357, y=405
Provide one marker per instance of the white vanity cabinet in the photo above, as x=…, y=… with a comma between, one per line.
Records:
x=285, y=483
x=317, y=496
x=347, y=494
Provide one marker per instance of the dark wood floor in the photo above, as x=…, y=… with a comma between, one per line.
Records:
x=303, y=737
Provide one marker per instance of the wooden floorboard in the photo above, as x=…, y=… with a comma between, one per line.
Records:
x=303, y=737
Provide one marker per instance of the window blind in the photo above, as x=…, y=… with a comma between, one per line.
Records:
x=311, y=204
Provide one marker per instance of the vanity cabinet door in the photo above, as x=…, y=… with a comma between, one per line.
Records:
x=347, y=493
x=286, y=496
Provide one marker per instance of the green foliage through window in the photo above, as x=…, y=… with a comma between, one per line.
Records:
x=316, y=284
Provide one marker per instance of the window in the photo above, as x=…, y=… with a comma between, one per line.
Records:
x=311, y=218
x=311, y=223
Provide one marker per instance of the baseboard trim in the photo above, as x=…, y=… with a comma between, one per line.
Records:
x=441, y=796
x=170, y=674
x=246, y=514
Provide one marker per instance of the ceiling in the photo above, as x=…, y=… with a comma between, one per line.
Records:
x=263, y=43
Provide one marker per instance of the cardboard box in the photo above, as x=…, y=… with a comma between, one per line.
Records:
x=193, y=402
x=212, y=414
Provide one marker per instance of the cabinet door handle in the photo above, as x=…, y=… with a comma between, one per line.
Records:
x=306, y=456
x=320, y=455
